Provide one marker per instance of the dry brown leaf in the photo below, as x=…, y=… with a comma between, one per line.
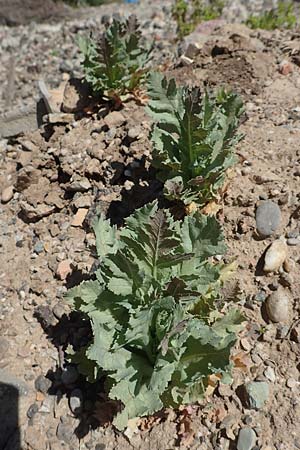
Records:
x=211, y=209
x=241, y=362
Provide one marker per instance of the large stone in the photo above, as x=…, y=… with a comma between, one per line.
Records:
x=268, y=217
x=257, y=394
x=246, y=439
x=278, y=306
x=275, y=256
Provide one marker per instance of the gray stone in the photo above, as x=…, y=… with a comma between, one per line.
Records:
x=268, y=217
x=42, y=384
x=58, y=311
x=246, y=439
x=278, y=306
x=75, y=401
x=38, y=247
x=32, y=410
x=257, y=394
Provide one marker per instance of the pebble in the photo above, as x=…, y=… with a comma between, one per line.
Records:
x=58, y=311
x=246, y=439
x=282, y=331
x=285, y=67
x=79, y=217
x=64, y=269
x=278, y=306
x=291, y=383
x=114, y=119
x=260, y=297
x=75, y=401
x=134, y=132
x=268, y=217
x=7, y=194
x=293, y=242
x=32, y=410
x=275, y=256
x=257, y=393
x=42, y=384
x=46, y=406
x=38, y=247
x=69, y=375
x=269, y=373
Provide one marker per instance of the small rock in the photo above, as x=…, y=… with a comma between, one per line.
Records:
x=59, y=118
x=45, y=315
x=292, y=234
x=80, y=185
x=257, y=394
x=114, y=119
x=47, y=405
x=275, y=256
x=76, y=95
x=291, y=383
x=286, y=280
x=42, y=384
x=285, y=67
x=79, y=217
x=58, y=311
x=64, y=269
x=69, y=375
x=38, y=247
x=246, y=439
x=268, y=217
x=278, y=306
x=260, y=297
x=289, y=265
x=7, y=194
x=133, y=133
x=32, y=410
x=75, y=401
x=293, y=242
x=185, y=61
x=282, y=331
x=269, y=373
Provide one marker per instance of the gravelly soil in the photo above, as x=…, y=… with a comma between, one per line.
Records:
x=103, y=163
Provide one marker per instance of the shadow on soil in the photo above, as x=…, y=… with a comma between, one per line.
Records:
x=9, y=413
